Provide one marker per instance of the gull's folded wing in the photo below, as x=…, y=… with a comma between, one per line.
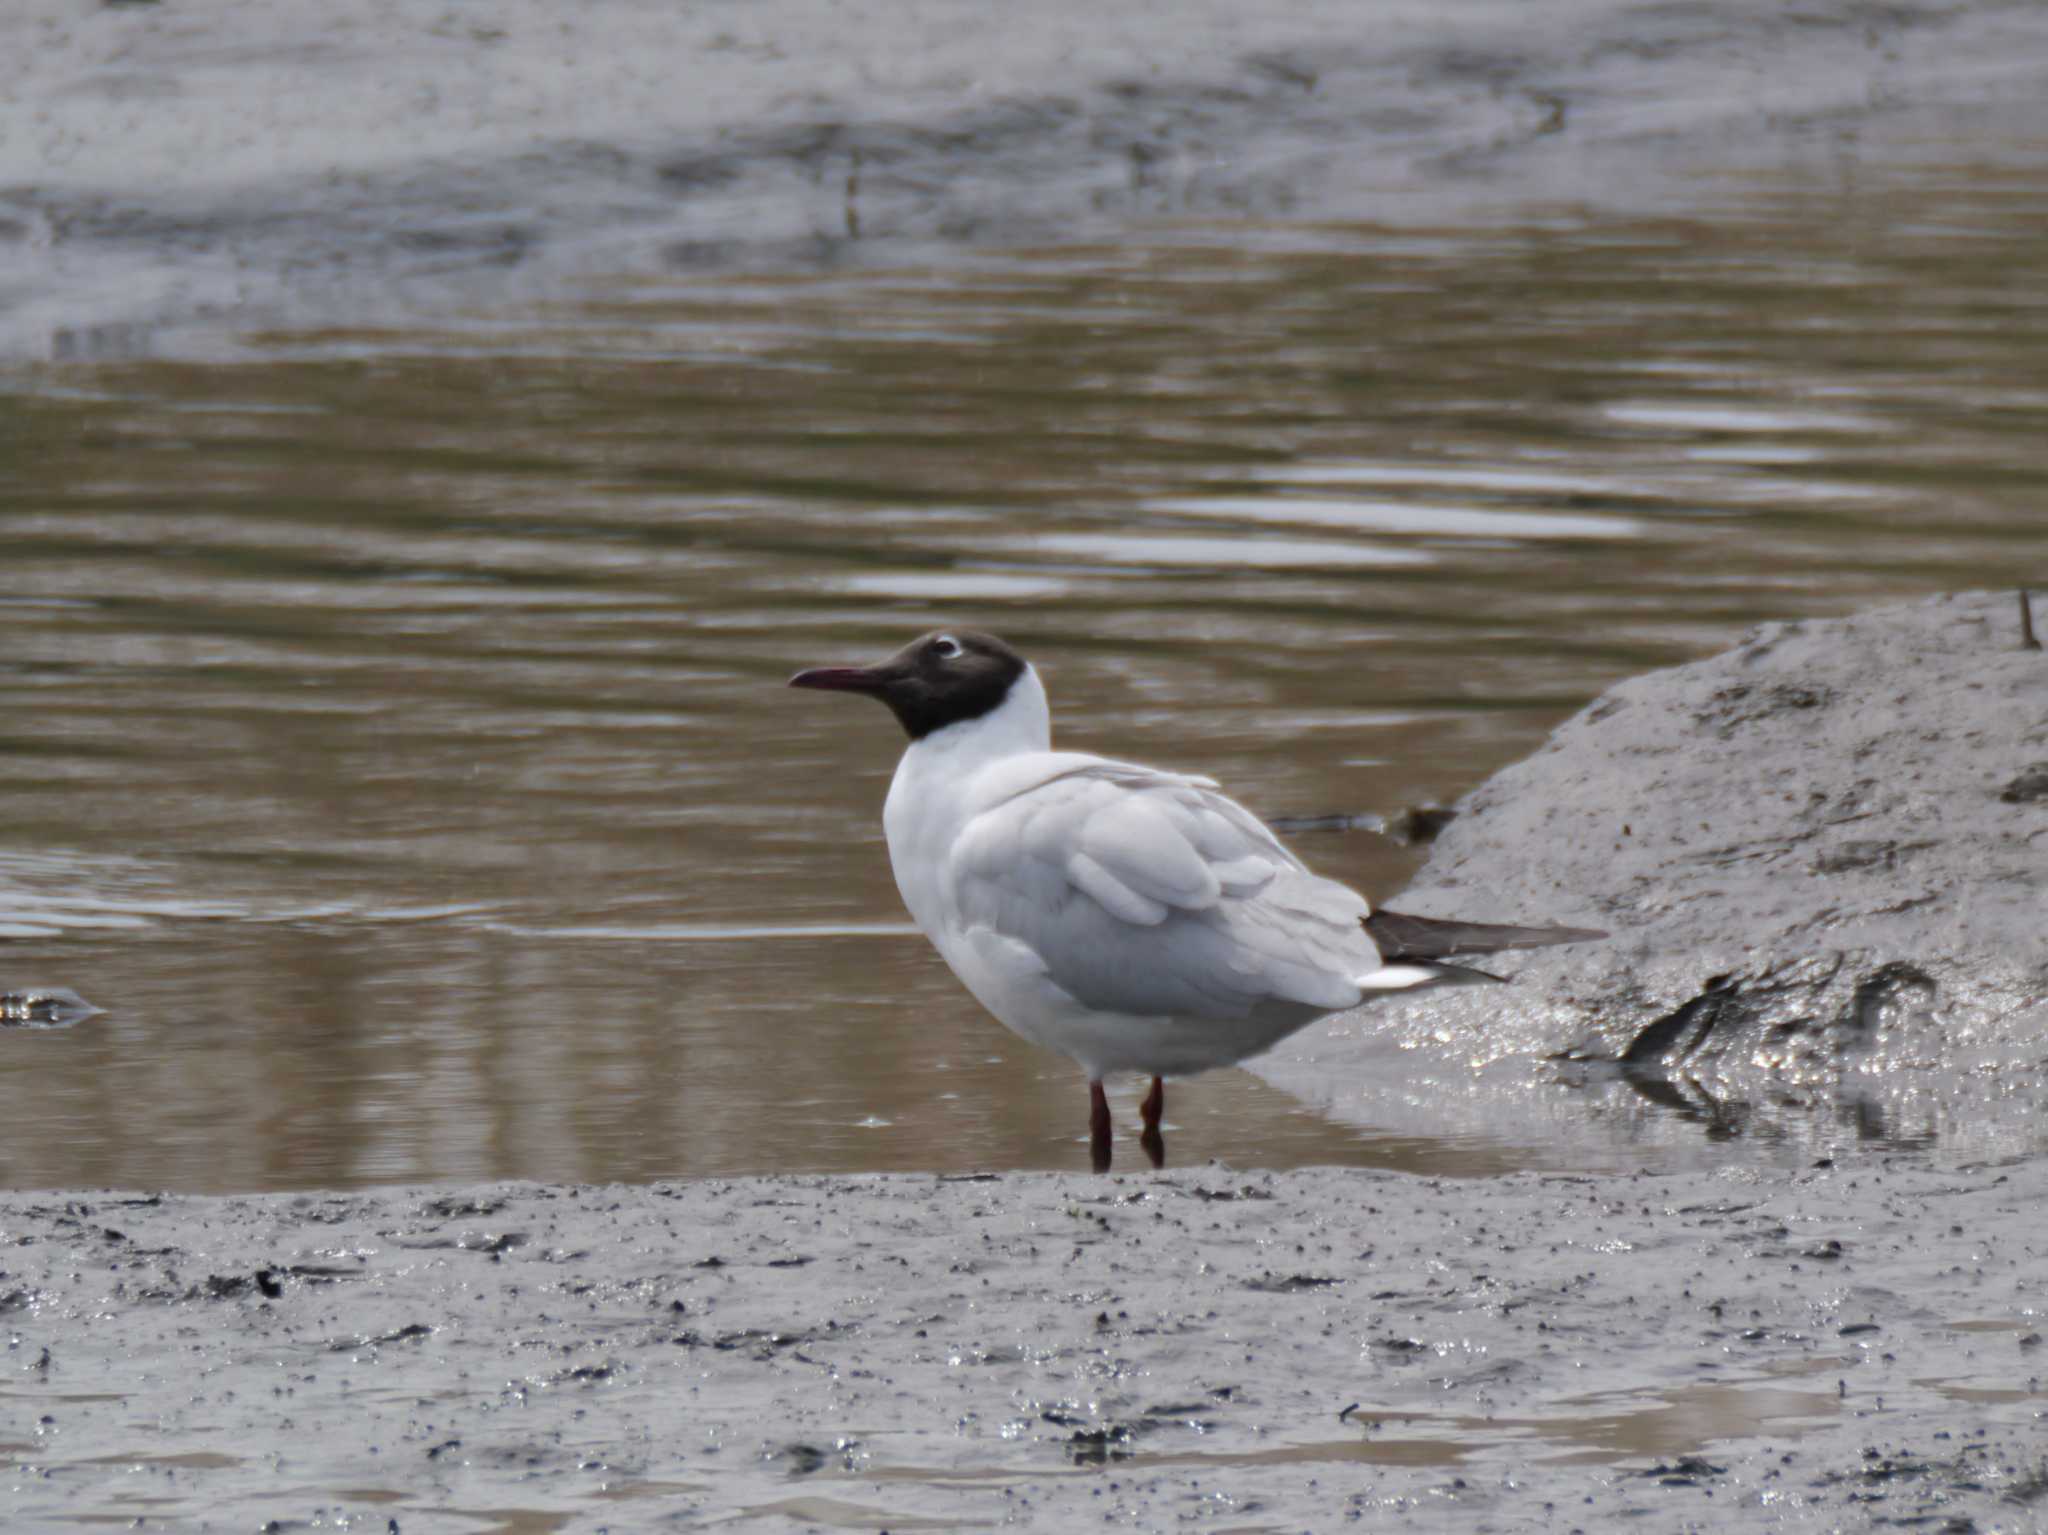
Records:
x=1150, y=893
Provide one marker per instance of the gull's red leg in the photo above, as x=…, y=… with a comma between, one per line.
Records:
x=1098, y=1127
x=1154, y=1106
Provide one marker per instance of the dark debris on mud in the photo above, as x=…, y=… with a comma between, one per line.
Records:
x=44, y=1007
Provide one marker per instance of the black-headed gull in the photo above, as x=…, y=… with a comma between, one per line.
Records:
x=1131, y=919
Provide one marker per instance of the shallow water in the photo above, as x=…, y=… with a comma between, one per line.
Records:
x=392, y=737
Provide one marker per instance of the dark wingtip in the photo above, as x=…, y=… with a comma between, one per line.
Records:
x=1402, y=937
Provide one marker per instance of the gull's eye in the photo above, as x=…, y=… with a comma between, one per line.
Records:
x=945, y=647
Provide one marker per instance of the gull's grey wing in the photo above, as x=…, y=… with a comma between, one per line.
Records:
x=1148, y=893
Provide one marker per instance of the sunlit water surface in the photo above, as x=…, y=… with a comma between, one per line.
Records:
x=392, y=731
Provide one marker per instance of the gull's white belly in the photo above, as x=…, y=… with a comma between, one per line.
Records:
x=1009, y=979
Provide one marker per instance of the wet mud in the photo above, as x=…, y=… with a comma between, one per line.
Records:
x=1824, y=872
x=1835, y=1346
x=297, y=163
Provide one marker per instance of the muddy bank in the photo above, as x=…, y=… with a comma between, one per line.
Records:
x=1823, y=855
x=242, y=164
x=1848, y=1343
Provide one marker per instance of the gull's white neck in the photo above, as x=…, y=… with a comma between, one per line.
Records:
x=932, y=795
x=1022, y=722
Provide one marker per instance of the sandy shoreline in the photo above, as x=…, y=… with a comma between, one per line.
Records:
x=1733, y=1350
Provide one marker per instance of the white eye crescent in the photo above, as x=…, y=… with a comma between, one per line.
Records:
x=946, y=647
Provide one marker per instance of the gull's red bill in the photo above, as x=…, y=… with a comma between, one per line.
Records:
x=839, y=679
